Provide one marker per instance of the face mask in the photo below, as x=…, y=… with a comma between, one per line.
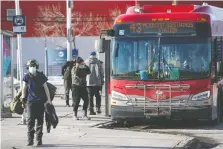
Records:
x=32, y=70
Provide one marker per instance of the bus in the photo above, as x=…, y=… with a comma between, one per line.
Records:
x=165, y=61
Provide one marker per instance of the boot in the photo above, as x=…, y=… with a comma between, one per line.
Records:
x=67, y=101
x=92, y=112
x=85, y=117
x=75, y=115
x=98, y=110
x=30, y=143
x=39, y=140
x=30, y=140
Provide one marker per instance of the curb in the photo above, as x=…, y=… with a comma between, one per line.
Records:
x=99, y=125
x=189, y=143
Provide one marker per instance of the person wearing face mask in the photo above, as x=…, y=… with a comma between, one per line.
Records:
x=34, y=94
x=79, y=72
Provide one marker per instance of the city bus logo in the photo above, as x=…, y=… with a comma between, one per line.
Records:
x=158, y=92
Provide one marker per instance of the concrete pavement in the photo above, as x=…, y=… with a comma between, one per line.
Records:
x=71, y=134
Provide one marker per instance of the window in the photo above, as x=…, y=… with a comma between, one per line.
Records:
x=170, y=59
x=10, y=13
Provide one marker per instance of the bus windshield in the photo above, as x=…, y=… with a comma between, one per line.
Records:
x=164, y=58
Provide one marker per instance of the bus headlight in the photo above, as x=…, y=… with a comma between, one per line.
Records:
x=201, y=96
x=118, y=96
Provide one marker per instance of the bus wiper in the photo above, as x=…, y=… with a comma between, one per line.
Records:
x=170, y=68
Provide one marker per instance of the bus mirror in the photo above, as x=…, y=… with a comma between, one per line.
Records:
x=108, y=32
x=116, y=50
x=220, y=68
x=103, y=45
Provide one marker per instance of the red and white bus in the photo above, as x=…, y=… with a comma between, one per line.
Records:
x=166, y=61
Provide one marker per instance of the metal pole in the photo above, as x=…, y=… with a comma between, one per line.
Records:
x=107, y=80
x=46, y=59
x=69, y=4
x=19, y=46
x=17, y=63
x=19, y=42
x=12, y=72
x=1, y=73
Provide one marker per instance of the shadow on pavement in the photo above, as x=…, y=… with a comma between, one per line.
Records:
x=101, y=146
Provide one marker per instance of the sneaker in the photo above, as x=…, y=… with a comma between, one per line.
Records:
x=92, y=113
x=75, y=118
x=98, y=111
x=86, y=118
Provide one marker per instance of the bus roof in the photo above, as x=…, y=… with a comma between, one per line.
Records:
x=177, y=12
x=193, y=17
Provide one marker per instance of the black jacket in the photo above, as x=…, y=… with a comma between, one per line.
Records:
x=50, y=116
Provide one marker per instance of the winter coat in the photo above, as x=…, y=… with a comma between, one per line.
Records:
x=50, y=116
x=96, y=77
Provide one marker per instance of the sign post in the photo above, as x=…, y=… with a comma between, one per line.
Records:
x=19, y=27
x=19, y=24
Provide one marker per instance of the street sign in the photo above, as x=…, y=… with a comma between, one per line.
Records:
x=19, y=24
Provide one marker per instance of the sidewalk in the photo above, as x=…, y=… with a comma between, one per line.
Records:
x=71, y=134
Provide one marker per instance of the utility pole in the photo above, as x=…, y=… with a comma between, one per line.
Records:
x=19, y=46
x=69, y=5
x=46, y=59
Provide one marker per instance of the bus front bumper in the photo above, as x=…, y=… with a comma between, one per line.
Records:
x=186, y=112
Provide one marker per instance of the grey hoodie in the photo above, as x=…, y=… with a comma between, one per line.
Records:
x=96, y=78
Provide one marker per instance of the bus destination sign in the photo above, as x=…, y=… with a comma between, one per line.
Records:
x=162, y=27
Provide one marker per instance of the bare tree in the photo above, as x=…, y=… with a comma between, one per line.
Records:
x=51, y=22
x=107, y=23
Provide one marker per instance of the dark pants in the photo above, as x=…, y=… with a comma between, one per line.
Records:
x=94, y=91
x=67, y=88
x=79, y=92
x=35, y=111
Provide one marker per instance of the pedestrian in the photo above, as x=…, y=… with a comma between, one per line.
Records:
x=66, y=73
x=79, y=73
x=34, y=94
x=94, y=82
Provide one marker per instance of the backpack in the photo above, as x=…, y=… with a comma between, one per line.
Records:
x=67, y=73
x=16, y=104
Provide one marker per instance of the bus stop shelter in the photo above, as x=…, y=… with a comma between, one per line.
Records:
x=6, y=75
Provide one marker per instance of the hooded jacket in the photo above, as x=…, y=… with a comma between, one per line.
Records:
x=96, y=78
